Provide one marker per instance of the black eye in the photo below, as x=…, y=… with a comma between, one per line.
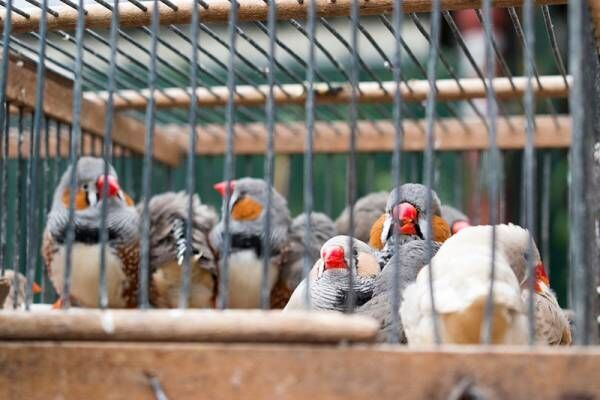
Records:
x=85, y=187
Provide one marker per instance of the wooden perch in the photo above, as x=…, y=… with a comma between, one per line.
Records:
x=334, y=137
x=187, y=326
x=369, y=92
x=100, y=370
x=218, y=11
x=58, y=96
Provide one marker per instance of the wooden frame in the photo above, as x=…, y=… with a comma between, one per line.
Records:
x=58, y=97
x=95, y=370
x=369, y=92
x=218, y=11
x=187, y=325
x=334, y=137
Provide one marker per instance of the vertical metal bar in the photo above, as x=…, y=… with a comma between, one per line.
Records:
x=429, y=155
x=46, y=185
x=75, y=134
x=528, y=54
x=144, y=273
x=351, y=168
x=308, y=146
x=577, y=159
x=328, y=184
x=4, y=127
x=19, y=226
x=270, y=114
x=191, y=167
x=394, y=336
x=370, y=173
x=107, y=151
x=546, y=186
x=34, y=154
x=229, y=160
x=486, y=332
x=3, y=187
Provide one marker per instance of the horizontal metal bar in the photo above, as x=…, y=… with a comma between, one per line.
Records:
x=58, y=96
x=334, y=93
x=333, y=136
x=249, y=10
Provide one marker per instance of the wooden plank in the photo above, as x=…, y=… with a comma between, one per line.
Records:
x=334, y=137
x=67, y=370
x=188, y=325
x=218, y=11
x=58, y=97
x=369, y=92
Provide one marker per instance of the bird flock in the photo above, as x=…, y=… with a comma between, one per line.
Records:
x=414, y=265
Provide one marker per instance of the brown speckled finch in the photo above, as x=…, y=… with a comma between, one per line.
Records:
x=247, y=211
x=367, y=210
x=19, y=282
x=329, y=279
x=168, y=224
x=122, y=255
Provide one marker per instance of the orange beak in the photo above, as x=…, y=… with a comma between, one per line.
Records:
x=112, y=183
x=406, y=215
x=540, y=276
x=334, y=258
x=221, y=187
x=35, y=288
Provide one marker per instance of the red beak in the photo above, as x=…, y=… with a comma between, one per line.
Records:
x=35, y=288
x=221, y=187
x=333, y=257
x=459, y=226
x=540, y=276
x=113, y=185
x=406, y=215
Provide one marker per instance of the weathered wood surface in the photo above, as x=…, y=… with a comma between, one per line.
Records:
x=218, y=11
x=94, y=370
x=334, y=137
x=58, y=97
x=188, y=325
x=341, y=93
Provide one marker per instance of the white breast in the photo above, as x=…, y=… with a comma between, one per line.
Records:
x=85, y=275
x=245, y=277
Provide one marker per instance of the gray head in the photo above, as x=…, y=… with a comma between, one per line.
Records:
x=455, y=218
x=331, y=274
x=408, y=206
x=122, y=220
x=247, y=209
x=168, y=218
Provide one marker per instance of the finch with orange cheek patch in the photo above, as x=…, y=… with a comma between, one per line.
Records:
x=247, y=211
x=405, y=217
x=329, y=279
x=122, y=250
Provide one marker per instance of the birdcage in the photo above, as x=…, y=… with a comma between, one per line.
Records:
x=493, y=104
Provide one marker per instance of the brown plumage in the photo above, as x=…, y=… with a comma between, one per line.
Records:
x=367, y=210
x=168, y=225
x=122, y=247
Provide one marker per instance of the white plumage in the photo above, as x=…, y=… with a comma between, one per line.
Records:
x=461, y=282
